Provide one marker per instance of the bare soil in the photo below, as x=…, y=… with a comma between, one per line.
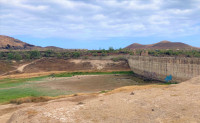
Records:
x=88, y=83
x=178, y=103
x=53, y=64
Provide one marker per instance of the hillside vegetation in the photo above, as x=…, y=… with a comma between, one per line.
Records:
x=19, y=55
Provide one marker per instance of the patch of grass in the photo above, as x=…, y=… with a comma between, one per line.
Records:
x=90, y=73
x=14, y=93
x=104, y=91
x=7, y=95
x=6, y=83
x=169, y=83
x=13, y=89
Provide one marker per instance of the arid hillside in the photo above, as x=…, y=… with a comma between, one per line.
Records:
x=162, y=45
x=7, y=42
x=53, y=64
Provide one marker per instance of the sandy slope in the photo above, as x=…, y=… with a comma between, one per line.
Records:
x=148, y=104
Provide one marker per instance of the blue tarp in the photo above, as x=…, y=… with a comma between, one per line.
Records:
x=168, y=78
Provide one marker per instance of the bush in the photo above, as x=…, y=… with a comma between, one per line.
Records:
x=35, y=54
x=94, y=54
x=18, y=56
x=76, y=54
x=111, y=49
x=1, y=56
x=58, y=55
x=49, y=53
x=118, y=59
x=27, y=56
x=10, y=56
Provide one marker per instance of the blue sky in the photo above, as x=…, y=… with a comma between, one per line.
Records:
x=94, y=24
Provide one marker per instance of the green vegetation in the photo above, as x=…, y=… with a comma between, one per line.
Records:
x=104, y=91
x=120, y=58
x=19, y=55
x=67, y=54
x=90, y=73
x=17, y=88
x=6, y=83
x=181, y=53
x=169, y=83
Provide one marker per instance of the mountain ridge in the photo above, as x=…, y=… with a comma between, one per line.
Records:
x=162, y=45
x=10, y=43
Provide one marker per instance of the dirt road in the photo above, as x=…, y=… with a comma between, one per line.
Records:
x=20, y=68
x=178, y=103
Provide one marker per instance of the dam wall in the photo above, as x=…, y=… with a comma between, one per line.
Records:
x=179, y=68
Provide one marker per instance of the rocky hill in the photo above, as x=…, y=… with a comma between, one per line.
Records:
x=7, y=42
x=162, y=45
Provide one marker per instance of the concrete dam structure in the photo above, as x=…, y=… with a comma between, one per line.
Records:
x=161, y=68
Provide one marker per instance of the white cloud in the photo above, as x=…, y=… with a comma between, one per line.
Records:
x=96, y=19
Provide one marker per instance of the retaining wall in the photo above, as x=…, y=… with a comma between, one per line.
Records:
x=160, y=67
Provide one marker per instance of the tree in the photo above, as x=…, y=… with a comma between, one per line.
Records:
x=111, y=49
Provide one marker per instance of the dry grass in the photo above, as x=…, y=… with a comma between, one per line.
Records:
x=30, y=75
x=135, y=87
x=47, y=98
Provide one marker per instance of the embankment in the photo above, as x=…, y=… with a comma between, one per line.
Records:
x=53, y=64
x=179, y=68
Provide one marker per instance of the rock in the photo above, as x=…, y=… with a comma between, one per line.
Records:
x=80, y=103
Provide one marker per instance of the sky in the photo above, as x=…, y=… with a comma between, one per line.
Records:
x=100, y=24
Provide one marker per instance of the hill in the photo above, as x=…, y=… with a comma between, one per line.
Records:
x=8, y=43
x=162, y=45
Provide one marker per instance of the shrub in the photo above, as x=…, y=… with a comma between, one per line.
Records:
x=76, y=54
x=111, y=49
x=94, y=54
x=118, y=59
x=18, y=56
x=10, y=56
x=35, y=54
x=27, y=56
x=58, y=55
x=49, y=53
x=1, y=55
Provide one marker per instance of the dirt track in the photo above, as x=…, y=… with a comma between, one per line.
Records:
x=147, y=104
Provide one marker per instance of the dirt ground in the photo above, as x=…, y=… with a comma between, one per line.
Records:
x=179, y=103
x=53, y=64
x=46, y=66
x=88, y=83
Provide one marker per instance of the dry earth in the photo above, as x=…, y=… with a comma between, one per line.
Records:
x=53, y=64
x=178, y=103
x=46, y=66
